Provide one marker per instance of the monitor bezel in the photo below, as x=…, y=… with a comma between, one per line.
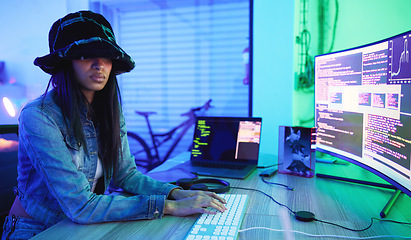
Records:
x=233, y=119
x=375, y=171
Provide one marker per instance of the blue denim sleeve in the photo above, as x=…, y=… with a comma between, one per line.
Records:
x=128, y=178
x=44, y=145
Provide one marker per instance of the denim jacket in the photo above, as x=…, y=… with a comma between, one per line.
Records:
x=56, y=174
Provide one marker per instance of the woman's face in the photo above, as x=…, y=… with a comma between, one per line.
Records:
x=92, y=74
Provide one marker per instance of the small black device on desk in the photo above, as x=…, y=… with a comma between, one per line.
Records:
x=268, y=172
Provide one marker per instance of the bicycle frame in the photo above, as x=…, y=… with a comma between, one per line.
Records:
x=157, y=139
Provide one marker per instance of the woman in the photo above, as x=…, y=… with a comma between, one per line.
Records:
x=73, y=141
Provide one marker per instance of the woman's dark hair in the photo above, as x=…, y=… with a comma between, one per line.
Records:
x=104, y=111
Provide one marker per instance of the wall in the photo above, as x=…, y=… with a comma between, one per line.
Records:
x=24, y=27
x=272, y=71
x=28, y=23
x=365, y=21
x=359, y=22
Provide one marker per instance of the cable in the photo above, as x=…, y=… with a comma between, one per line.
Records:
x=366, y=228
x=346, y=228
x=330, y=236
x=312, y=218
x=335, y=25
x=256, y=190
x=279, y=184
x=264, y=167
x=392, y=221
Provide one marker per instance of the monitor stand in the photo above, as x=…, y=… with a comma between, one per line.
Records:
x=390, y=203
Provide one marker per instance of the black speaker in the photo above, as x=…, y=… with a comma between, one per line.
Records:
x=204, y=184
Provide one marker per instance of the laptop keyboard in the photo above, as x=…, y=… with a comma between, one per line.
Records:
x=223, y=226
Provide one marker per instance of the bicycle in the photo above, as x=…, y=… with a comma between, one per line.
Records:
x=149, y=157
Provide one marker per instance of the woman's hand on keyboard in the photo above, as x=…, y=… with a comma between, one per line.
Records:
x=189, y=202
x=177, y=194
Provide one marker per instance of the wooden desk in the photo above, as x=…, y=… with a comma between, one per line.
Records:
x=343, y=203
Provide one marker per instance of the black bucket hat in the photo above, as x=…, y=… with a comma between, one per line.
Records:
x=83, y=34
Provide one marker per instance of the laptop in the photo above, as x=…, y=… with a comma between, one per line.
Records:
x=225, y=146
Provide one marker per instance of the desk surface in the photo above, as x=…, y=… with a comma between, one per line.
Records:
x=347, y=204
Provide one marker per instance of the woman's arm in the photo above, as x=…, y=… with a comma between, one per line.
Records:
x=126, y=175
x=45, y=146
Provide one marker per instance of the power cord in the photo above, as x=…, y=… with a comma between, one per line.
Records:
x=279, y=184
x=347, y=228
x=256, y=190
x=270, y=172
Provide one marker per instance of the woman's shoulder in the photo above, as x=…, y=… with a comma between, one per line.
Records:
x=43, y=105
x=43, y=101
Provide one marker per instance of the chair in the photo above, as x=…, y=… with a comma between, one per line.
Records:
x=8, y=168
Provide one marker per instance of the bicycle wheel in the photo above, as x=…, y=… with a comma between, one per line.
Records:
x=140, y=151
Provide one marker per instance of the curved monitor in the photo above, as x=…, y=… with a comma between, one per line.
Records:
x=363, y=107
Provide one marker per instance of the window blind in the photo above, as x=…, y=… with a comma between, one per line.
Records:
x=186, y=52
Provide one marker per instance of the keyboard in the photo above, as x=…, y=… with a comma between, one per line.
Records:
x=224, y=225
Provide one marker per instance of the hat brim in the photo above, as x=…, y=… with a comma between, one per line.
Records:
x=91, y=48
